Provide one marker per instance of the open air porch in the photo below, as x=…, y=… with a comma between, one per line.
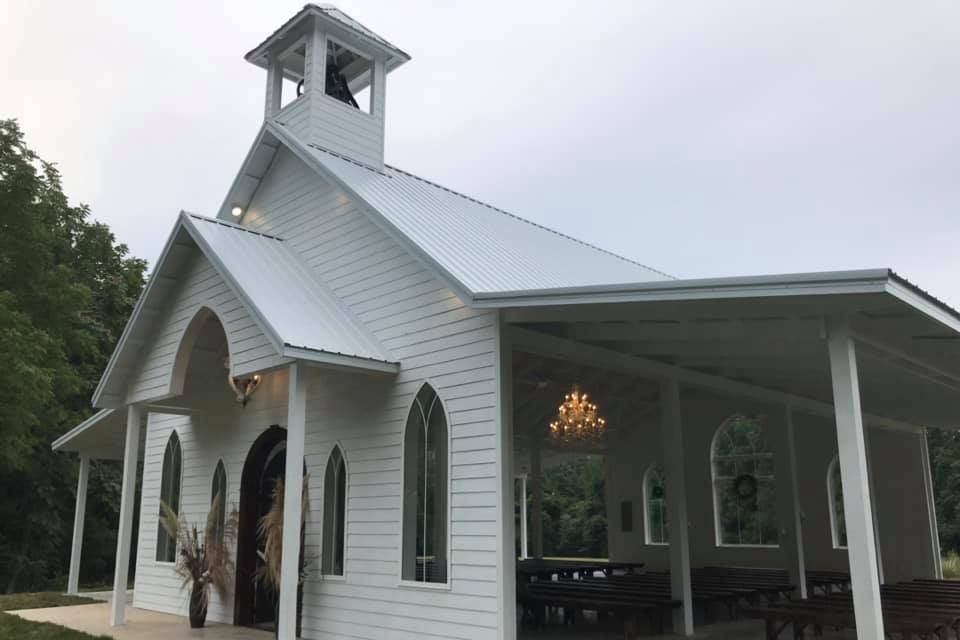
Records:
x=835, y=470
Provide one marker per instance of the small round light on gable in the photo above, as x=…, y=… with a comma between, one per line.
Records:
x=237, y=211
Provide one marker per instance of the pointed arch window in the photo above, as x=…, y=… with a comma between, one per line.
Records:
x=425, y=490
x=838, y=526
x=655, y=506
x=744, y=485
x=334, y=514
x=170, y=477
x=218, y=501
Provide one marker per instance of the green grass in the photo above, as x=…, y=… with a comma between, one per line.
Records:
x=951, y=566
x=15, y=601
x=13, y=627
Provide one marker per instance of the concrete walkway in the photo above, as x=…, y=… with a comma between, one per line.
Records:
x=141, y=624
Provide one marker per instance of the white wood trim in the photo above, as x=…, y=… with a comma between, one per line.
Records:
x=131, y=451
x=673, y=456
x=507, y=556
x=292, y=502
x=931, y=506
x=873, y=500
x=73, y=580
x=858, y=510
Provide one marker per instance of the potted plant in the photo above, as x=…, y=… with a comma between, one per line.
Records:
x=270, y=536
x=203, y=559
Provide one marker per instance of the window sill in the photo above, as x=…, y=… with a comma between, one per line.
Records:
x=657, y=544
x=747, y=546
x=332, y=577
x=429, y=586
x=164, y=563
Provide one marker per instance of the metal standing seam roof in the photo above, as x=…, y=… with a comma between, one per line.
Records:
x=298, y=309
x=482, y=248
x=399, y=56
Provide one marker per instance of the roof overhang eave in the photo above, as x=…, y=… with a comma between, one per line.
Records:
x=258, y=55
x=834, y=282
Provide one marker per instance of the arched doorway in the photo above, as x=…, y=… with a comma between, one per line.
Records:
x=266, y=461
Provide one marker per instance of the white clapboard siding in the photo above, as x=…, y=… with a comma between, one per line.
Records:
x=437, y=339
x=345, y=130
x=199, y=286
x=220, y=430
x=296, y=116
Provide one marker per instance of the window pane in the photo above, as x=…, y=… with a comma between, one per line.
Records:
x=169, y=494
x=218, y=501
x=425, y=490
x=655, y=493
x=744, y=484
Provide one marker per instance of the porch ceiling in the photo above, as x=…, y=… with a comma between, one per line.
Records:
x=909, y=361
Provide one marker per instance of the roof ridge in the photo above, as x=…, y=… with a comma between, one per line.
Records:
x=233, y=226
x=530, y=222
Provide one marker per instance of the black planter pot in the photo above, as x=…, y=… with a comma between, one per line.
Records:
x=198, y=612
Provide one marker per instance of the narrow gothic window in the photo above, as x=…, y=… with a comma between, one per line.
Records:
x=334, y=514
x=655, y=506
x=169, y=494
x=838, y=526
x=425, y=490
x=218, y=501
x=744, y=486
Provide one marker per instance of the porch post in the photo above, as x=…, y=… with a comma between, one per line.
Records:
x=131, y=451
x=931, y=507
x=524, y=549
x=536, y=509
x=798, y=564
x=858, y=510
x=73, y=579
x=873, y=502
x=506, y=542
x=672, y=426
x=292, y=503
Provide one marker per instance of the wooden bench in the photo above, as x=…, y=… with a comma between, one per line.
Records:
x=575, y=595
x=918, y=609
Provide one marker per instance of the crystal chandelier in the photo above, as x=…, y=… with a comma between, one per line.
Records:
x=577, y=419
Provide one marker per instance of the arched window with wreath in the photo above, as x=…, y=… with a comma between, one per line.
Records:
x=655, y=506
x=838, y=526
x=744, y=485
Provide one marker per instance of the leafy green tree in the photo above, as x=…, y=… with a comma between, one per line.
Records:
x=574, y=511
x=66, y=289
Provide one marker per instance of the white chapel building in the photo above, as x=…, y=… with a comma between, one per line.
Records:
x=407, y=346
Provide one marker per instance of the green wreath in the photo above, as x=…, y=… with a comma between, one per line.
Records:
x=745, y=486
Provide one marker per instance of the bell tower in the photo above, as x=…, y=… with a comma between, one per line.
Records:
x=326, y=82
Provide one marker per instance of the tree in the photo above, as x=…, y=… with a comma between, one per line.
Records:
x=574, y=511
x=66, y=289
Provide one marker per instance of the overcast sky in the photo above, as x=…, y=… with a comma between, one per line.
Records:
x=701, y=138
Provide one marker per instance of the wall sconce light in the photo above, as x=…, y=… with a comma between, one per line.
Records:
x=244, y=387
x=237, y=211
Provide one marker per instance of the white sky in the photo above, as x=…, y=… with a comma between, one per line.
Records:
x=701, y=138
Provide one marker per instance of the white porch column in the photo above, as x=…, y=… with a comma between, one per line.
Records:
x=674, y=467
x=536, y=508
x=292, y=503
x=506, y=538
x=131, y=451
x=937, y=565
x=524, y=549
x=274, y=88
x=798, y=565
x=873, y=502
x=858, y=510
x=73, y=579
